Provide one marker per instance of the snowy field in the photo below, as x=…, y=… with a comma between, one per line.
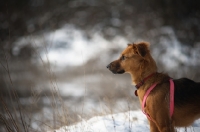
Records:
x=132, y=121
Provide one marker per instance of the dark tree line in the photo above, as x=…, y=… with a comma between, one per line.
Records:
x=22, y=17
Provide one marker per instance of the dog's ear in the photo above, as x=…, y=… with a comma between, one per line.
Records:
x=142, y=48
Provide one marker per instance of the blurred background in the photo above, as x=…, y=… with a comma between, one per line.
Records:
x=53, y=56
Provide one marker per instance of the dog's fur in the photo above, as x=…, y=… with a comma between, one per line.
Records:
x=137, y=61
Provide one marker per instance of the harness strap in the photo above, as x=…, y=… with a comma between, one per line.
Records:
x=171, y=98
x=145, y=97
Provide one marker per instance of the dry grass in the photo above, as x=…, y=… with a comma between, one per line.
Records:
x=32, y=101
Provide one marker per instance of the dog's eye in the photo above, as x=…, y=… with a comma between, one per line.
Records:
x=123, y=58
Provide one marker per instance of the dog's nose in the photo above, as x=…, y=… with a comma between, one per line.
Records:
x=108, y=66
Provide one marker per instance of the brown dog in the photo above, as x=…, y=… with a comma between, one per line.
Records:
x=137, y=61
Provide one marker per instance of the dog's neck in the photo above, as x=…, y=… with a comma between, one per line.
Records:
x=138, y=85
x=138, y=81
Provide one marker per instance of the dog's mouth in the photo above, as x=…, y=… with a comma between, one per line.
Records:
x=118, y=72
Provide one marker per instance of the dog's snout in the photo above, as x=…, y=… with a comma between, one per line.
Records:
x=108, y=66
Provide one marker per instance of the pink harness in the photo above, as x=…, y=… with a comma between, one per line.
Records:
x=171, y=98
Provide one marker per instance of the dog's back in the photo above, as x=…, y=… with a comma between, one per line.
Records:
x=187, y=102
x=186, y=92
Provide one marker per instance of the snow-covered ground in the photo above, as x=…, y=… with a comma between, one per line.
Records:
x=131, y=121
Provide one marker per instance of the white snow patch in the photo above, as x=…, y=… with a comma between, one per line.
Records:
x=131, y=121
x=68, y=46
x=170, y=52
x=122, y=122
x=69, y=89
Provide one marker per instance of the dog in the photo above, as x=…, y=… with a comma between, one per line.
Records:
x=138, y=62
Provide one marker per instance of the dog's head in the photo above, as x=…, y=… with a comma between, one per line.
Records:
x=134, y=59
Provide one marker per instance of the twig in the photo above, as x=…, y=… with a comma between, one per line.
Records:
x=9, y=114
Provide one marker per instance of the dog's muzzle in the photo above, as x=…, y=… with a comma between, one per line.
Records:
x=108, y=66
x=115, y=68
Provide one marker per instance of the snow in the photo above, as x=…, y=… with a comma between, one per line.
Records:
x=171, y=52
x=68, y=46
x=71, y=89
x=131, y=121
x=122, y=122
